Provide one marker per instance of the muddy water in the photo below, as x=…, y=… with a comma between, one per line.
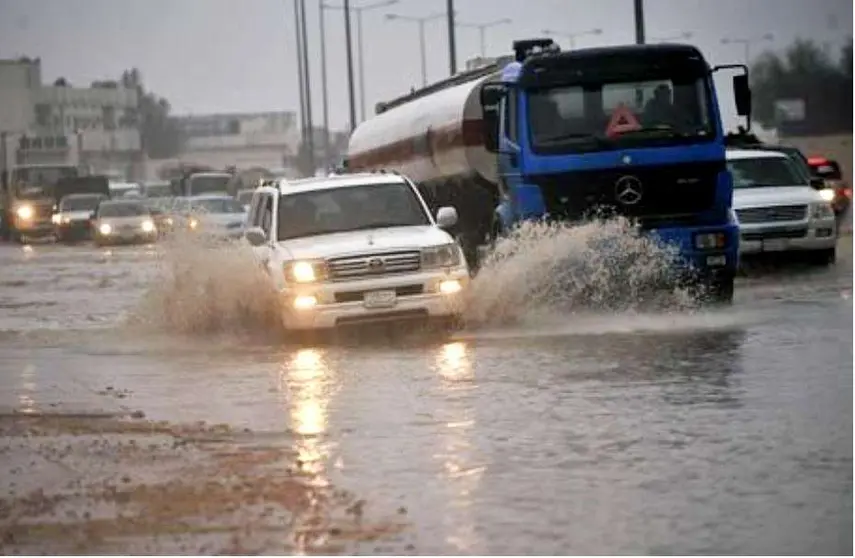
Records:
x=681, y=432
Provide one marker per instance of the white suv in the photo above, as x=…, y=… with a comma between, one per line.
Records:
x=354, y=248
x=777, y=209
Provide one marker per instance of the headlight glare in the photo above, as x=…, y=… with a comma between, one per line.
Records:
x=447, y=255
x=56, y=219
x=147, y=226
x=302, y=271
x=105, y=229
x=827, y=194
x=25, y=212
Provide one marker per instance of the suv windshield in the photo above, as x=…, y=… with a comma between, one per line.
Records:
x=217, y=205
x=763, y=172
x=591, y=117
x=122, y=209
x=349, y=208
x=80, y=202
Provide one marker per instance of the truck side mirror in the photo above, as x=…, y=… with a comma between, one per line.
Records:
x=491, y=97
x=742, y=95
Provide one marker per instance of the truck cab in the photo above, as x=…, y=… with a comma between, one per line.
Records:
x=30, y=196
x=631, y=131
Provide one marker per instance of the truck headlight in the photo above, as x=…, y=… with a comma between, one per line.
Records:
x=447, y=255
x=24, y=212
x=105, y=229
x=827, y=194
x=303, y=271
x=821, y=211
x=147, y=226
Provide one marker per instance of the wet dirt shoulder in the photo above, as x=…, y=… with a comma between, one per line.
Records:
x=108, y=484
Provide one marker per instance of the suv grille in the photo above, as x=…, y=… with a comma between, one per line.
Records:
x=772, y=214
x=373, y=265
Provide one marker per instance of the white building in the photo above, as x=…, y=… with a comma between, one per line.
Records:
x=59, y=123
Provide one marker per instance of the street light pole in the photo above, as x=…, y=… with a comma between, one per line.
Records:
x=452, y=48
x=686, y=36
x=301, y=81
x=310, y=136
x=324, y=92
x=482, y=29
x=639, y=22
x=349, y=42
x=421, y=21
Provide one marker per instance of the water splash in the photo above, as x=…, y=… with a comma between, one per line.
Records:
x=204, y=286
x=545, y=270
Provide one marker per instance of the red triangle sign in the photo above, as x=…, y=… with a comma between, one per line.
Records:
x=622, y=120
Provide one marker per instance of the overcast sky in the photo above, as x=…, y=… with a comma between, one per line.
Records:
x=239, y=55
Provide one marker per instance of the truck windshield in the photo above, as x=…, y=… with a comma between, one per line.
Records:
x=615, y=115
x=37, y=182
x=209, y=184
x=133, y=209
x=351, y=208
x=763, y=172
x=79, y=203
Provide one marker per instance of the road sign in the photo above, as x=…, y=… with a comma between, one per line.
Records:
x=622, y=120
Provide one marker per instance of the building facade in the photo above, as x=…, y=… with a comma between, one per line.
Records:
x=59, y=123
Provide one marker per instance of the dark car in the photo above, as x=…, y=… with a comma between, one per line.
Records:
x=830, y=172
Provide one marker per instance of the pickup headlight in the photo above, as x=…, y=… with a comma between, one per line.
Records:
x=105, y=229
x=447, y=255
x=821, y=211
x=24, y=212
x=147, y=226
x=304, y=271
x=827, y=194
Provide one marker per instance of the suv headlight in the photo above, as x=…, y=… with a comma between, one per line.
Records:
x=447, y=255
x=305, y=271
x=821, y=211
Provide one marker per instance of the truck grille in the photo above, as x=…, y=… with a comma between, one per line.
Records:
x=685, y=189
x=771, y=214
x=374, y=265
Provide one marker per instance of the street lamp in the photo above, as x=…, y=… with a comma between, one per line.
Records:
x=482, y=27
x=746, y=43
x=421, y=22
x=682, y=36
x=359, y=10
x=572, y=36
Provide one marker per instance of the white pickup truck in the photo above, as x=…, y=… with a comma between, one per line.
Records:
x=356, y=248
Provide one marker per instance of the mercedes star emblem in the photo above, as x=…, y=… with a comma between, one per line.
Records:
x=628, y=190
x=626, y=159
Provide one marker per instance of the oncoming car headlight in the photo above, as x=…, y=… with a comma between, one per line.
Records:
x=447, y=255
x=24, y=212
x=821, y=211
x=147, y=226
x=827, y=194
x=304, y=271
x=105, y=229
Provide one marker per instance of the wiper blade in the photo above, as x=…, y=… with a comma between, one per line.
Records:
x=381, y=225
x=573, y=136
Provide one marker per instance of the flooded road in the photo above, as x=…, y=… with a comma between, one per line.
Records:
x=716, y=432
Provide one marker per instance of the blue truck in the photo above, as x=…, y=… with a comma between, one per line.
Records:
x=632, y=130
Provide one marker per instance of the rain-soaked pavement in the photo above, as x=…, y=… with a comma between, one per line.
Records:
x=721, y=432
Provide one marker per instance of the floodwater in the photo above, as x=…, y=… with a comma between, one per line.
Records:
x=723, y=432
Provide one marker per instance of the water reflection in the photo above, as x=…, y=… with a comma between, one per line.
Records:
x=26, y=403
x=305, y=381
x=462, y=467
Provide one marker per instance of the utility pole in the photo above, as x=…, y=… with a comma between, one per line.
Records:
x=348, y=41
x=452, y=48
x=482, y=29
x=639, y=22
x=324, y=92
x=310, y=139
x=421, y=21
x=302, y=83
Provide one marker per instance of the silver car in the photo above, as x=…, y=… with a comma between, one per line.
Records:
x=218, y=215
x=123, y=221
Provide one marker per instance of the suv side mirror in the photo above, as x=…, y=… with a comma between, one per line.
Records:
x=255, y=236
x=742, y=95
x=446, y=217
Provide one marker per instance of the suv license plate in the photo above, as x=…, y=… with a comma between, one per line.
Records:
x=379, y=299
x=776, y=245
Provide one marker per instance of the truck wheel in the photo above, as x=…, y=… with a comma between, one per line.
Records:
x=718, y=291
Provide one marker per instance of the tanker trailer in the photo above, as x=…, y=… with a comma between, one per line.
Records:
x=435, y=137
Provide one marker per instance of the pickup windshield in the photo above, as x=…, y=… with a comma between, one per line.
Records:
x=614, y=115
x=350, y=208
x=764, y=172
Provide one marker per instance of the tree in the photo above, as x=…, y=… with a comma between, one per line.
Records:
x=804, y=72
x=159, y=133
